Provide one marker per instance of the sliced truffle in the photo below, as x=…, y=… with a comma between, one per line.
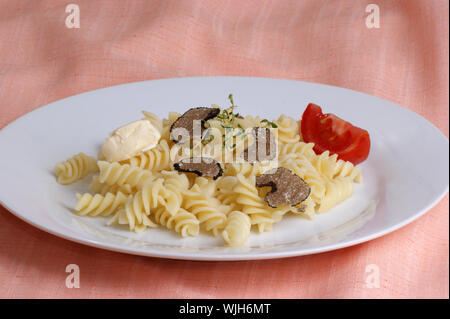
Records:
x=202, y=166
x=264, y=148
x=186, y=122
x=287, y=188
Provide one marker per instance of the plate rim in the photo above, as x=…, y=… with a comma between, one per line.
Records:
x=239, y=256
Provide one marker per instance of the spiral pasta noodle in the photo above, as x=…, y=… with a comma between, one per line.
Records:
x=167, y=123
x=101, y=188
x=249, y=121
x=254, y=205
x=288, y=130
x=183, y=222
x=246, y=169
x=175, y=184
x=205, y=185
x=75, y=168
x=225, y=191
x=306, y=209
x=117, y=174
x=154, y=120
x=145, y=201
x=163, y=193
x=296, y=149
x=99, y=205
x=155, y=159
x=331, y=167
x=136, y=222
x=237, y=229
x=208, y=210
x=337, y=190
x=137, y=209
x=303, y=168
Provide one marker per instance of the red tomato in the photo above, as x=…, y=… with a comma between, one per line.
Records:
x=329, y=132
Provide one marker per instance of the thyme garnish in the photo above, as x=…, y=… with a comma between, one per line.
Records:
x=227, y=119
x=269, y=123
x=227, y=116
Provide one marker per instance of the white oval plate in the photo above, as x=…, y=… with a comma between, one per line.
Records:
x=406, y=173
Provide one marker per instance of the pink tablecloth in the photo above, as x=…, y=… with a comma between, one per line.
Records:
x=405, y=61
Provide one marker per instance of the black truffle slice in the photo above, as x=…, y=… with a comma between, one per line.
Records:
x=202, y=166
x=264, y=148
x=186, y=121
x=287, y=188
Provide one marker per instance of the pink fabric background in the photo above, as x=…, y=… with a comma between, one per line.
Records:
x=405, y=61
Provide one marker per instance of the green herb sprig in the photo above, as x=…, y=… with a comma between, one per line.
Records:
x=227, y=116
x=269, y=123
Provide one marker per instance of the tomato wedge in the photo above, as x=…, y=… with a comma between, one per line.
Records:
x=329, y=132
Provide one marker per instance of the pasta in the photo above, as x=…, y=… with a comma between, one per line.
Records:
x=155, y=159
x=156, y=122
x=99, y=205
x=127, y=217
x=225, y=191
x=287, y=130
x=206, y=209
x=175, y=185
x=183, y=222
x=117, y=174
x=245, y=169
x=167, y=123
x=331, y=167
x=306, y=209
x=254, y=206
x=237, y=229
x=336, y=191
x=249, y=121
x=303, y=168
x=296, y=149
x=327, y=165
x=75, y=168
x=163, y=193
x=147, y=191
x=97, y=187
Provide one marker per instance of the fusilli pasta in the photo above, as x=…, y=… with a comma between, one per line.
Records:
x=102, y=188
x=337, y=190
x=155, y=159
x=183, y=222
x=75, y=168
x=154, y=120
x=117, y=174
x=254, y=205
x=207, y=209
x=99, y=205
x=237, y=229
x=136, y=222
x=331, y=167
x=288, y=130
x=167, y=123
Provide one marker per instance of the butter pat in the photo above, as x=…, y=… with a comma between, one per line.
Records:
x=130, y=140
